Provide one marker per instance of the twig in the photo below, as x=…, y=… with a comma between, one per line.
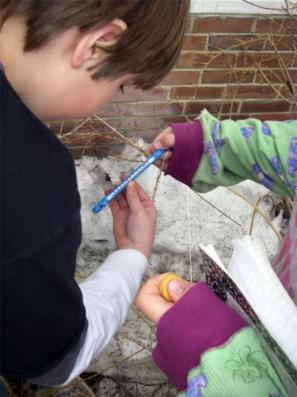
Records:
x=125, y=139
x=262, y=7
x=258, y=210
x=253, y=216
x=159, y=176
x=217, y=209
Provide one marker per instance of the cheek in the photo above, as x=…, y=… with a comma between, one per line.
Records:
x=93, y=101
x=85, y=105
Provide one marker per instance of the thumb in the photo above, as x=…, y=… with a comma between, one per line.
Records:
x=132, y=197
x=177, y=289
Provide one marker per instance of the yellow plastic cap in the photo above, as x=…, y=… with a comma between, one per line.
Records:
x=164, y=284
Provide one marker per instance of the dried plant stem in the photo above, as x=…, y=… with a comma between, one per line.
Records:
x=273, y=86
x=254, y=215
x=233, y=47
x=282, y=65
x=125, y=139
x=217, y=209
x=258, y=210
x=87, y=391
x=77, y=127
x=122, y=361
x=114, y=365
x=262, y=7
x=159, y=177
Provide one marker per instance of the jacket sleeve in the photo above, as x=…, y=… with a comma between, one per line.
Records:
x=197, y=322
x=206, y=349
x=239, y=367
x=229, y=152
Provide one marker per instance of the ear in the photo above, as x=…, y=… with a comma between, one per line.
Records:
x=87, y=48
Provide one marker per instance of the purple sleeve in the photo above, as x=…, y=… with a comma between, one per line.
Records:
x=198, y=322
x=187, y=151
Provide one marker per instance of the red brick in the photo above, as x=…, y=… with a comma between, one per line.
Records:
x=272, y=106
x=136, y=125
x=110, y=110
x=229, y=92
x=189, y=60
x=183, y=92
x=251, y=91
x=275, y=76
x=281, y=43
x=266, y=60
x=235, y=42
x=222, y=25
x=192, y=42
x=168, y=120
x=205, y=59
x=149, y=109
x=180, y=77
x=274, y=116
x=209, y=92
x=133, y=95
x=290, y=25
x=269, y=25
x=212, y=106
x=219, y=60
x=226, y=76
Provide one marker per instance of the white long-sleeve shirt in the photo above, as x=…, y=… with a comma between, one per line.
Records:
x=107, y=296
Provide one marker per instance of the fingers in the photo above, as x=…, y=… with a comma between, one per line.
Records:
x=165, y=139
x=152, y=304
x=177, y=289
x=136, y=197
x=132, y=197
x=143, y=196
x=149, y=300
x=114, y=207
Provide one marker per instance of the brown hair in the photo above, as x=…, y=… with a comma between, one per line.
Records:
x=148, y=48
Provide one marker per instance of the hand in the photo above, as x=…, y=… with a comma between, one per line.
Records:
x=151, y=303
x=134, y=219
x=165, y=139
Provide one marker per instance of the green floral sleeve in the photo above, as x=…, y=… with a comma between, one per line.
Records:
x=239, y=368
x=248, y=149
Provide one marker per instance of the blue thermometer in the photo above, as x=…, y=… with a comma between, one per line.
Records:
x=122, y=186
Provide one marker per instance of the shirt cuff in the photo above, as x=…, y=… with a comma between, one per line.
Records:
x=196, y=323
x=187, y=151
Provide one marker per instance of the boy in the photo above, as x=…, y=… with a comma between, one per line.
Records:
x=65, y=59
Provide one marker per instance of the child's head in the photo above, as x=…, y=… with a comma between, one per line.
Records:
x=67, y=58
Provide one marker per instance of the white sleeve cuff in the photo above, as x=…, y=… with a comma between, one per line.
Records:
x=107, y=295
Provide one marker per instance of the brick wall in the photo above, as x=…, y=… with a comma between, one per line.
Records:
x=234, y=66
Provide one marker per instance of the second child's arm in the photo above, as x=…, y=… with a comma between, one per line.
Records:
x=210, y=153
